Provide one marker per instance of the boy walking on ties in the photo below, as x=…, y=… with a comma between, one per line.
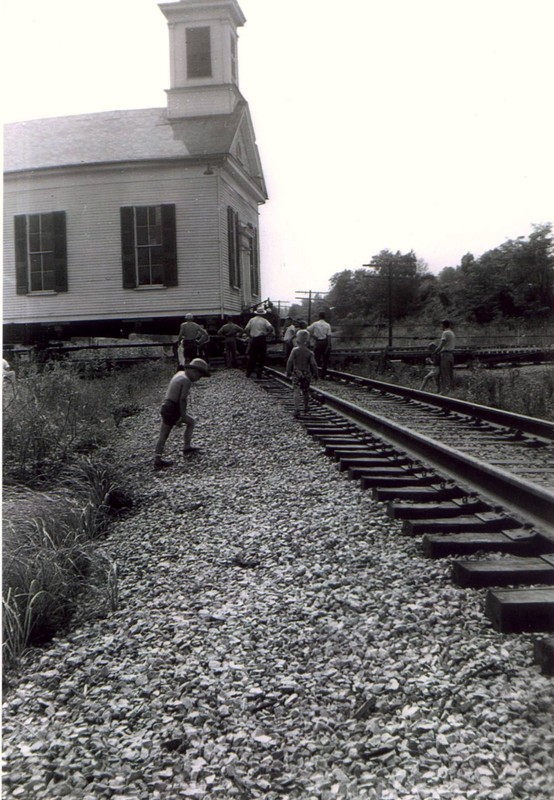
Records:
x=174, y=409
x=302, y=367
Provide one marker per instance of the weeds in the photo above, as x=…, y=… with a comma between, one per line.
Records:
x=54, y=413
x=59, y=502
x=528, y=391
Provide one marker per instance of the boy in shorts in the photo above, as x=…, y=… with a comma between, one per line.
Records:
x=174, y=408
x=301, y=367
x=433, y=370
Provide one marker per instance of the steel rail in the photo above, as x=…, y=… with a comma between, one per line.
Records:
x=522, y=498
x=505, y=419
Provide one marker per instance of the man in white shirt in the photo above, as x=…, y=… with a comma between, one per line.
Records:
x=445, y=350
x=258, y=329
x=320, y=332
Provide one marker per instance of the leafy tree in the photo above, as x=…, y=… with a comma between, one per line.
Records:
x=396, y=282
x=515, y=279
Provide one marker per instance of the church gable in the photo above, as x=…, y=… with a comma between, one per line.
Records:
x=245, y=150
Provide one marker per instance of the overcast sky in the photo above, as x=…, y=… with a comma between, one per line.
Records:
x=423, y=125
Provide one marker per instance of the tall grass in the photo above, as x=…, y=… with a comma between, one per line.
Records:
x=61, y=489
x=52, y=414
x=49, y=552
x=521, y=390
x=529, y=392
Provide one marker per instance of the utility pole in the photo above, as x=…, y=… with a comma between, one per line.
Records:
x=310, y=293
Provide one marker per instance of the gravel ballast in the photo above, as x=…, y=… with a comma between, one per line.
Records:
x=276, y=637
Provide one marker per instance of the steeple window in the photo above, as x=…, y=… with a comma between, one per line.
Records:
x=199, y=53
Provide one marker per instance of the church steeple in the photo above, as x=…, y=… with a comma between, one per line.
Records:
x=203, y=57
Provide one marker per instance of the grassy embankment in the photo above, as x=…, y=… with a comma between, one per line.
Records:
x=61, y=486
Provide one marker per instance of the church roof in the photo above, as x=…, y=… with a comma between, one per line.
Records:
x=113, y=136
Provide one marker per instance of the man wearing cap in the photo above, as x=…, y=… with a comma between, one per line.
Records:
x=174, y=409
x=192, y=337
x=258, y=329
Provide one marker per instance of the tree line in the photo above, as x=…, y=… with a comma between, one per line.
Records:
x=512, y=281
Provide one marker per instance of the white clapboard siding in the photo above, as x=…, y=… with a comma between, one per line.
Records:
x=92, y=198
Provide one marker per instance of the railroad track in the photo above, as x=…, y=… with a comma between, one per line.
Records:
x=471, y=481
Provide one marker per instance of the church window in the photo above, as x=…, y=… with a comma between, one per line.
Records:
x=41, y=252
x=199, y=55
x=148, y=246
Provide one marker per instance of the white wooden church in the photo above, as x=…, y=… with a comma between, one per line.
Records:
x=122, y=221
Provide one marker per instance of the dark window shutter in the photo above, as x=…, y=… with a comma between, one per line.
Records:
x=60, y=251
x=231, y=245
x=255, y=264
x=21, y=274
x=128, y=247
x=169, y=240
x=238, y=274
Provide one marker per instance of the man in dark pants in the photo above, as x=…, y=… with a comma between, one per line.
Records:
x=191, y=341
x=320, y=332
x=230, y=331
x=258, y=329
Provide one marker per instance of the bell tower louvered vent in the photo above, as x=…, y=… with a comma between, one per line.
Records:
x=203, y=57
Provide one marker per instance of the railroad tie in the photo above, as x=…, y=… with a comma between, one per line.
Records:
x=482, y=522
x=504, y=572
x=521, y=610
x=441, y=510
x=435, y=493
x=516, y=542
x=369, y=461
x=345, y=447
x=398, y=481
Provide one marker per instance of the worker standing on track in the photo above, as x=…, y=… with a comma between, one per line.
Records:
x=258, y=329
x=301, y=367
x=230, y=332
x=445, y=350
x=174, y=409
x=192, y=338
x=320, y=331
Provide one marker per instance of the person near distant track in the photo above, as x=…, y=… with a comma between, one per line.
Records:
x=445, y=351
x=289, y=337
x=320, y=331
x=432, y=363
x=301, y=367
x=191, y=340
x=258, y=329
x=174, y=409
x=230, y=332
